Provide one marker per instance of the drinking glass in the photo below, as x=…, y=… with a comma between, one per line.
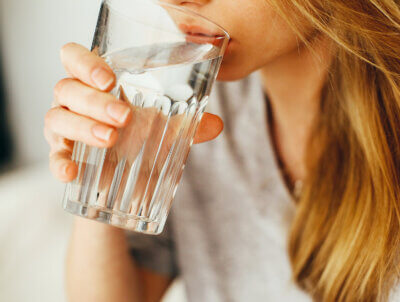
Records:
x=165, y=59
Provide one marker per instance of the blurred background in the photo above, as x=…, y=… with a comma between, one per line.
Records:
x=34, y=229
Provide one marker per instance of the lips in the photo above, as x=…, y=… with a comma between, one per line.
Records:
x=199, y=35
x=196, y=30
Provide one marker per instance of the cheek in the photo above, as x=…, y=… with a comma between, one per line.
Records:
x=259, y=38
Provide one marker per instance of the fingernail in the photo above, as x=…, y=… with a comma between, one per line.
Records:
x=118, y=112
x=102, y=78
x=102, y=132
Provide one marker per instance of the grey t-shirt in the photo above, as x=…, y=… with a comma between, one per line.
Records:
x=227, y=233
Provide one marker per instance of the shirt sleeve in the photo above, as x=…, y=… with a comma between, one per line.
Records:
x=155, y=253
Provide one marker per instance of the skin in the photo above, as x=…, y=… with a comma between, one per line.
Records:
x=84, y=111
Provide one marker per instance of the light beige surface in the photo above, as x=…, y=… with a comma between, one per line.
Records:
x=33, y=236
x=34, y=231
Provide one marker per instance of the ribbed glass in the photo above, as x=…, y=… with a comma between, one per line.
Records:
x=165, y=73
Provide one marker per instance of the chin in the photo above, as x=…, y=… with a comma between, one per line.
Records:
x=232, y=71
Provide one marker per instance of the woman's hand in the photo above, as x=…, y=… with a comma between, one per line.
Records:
x=84, y=111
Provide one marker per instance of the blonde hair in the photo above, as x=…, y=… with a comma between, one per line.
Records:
x=345, y=238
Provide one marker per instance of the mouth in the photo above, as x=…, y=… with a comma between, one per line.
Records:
x=199, y=35
x=195, y=30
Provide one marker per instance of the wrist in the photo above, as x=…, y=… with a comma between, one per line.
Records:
x=84, y=225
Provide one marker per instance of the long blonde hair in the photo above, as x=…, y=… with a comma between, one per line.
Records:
x=345, y=239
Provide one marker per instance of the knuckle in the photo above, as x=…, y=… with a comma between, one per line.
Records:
x=65, y=48
x=91, y=97
x=51, y=166
x=59, y=87
x=46, y=134
x=54, y=165
x=89, y=62
x=49, y=117
x=53, y=151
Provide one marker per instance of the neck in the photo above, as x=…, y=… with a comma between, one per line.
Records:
x=294, y=85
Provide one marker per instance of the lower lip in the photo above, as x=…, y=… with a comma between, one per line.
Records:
x=200, y=39
x=216, y=41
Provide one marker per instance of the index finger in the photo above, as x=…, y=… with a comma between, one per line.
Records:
x=87, y=66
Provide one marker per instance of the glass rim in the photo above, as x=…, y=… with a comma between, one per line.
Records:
x=186, y=11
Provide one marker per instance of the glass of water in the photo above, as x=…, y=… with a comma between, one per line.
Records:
x=166, y=59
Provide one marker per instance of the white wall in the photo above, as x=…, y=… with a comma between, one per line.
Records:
x=32, y=32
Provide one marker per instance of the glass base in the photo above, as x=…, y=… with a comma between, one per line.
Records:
x=121, y=220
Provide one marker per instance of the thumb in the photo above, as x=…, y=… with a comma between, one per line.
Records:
x=210, y=127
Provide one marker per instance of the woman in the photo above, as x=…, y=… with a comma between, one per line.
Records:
x=310, y=156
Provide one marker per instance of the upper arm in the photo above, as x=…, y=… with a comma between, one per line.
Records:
x=154, y=286
x=155, y=260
